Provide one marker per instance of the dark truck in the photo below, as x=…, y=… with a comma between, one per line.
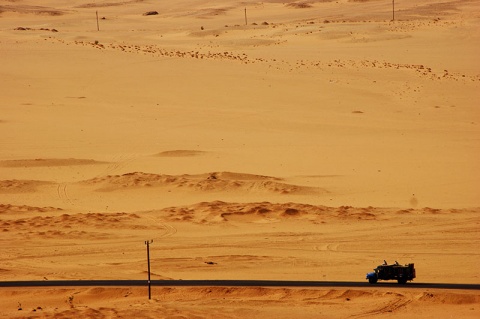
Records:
x=401, y=273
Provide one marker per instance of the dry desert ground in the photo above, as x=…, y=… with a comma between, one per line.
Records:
x=272, y=140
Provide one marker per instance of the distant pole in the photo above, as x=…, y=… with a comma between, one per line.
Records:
x=98, y=26
x=148, y=242
x=393, y=10
x=246, y=16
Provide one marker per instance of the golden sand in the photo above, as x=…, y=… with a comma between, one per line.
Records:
x=270, y=140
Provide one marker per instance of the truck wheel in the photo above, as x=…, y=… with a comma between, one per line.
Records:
x=402, y=281
x=372, y=280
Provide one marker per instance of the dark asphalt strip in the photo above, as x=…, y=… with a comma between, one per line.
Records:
x=231, y=283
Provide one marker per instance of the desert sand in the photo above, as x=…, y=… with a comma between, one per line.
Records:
x=270, y=140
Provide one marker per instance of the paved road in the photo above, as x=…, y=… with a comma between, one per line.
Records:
x=231, y=283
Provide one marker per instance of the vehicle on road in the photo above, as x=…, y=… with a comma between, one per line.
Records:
x=401, y=273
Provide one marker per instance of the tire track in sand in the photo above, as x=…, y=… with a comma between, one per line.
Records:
x=63, y=194
x=399, y=302
x=168, y=230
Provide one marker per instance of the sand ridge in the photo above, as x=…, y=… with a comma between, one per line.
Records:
x=237, y=240
x=388, y=33
x=221, y=212
x=20, y=186
x=31, y=9
x=215, y=181
x=185, y=302
x=14, y=209
x=180, y=153
x=44, y=162
x=277, y=139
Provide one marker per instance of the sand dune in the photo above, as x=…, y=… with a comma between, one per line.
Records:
x=221, y=212
x=20, y=186
x=239, y=240
x=345, y=35
x=215, y=181
x=108, y=4
x=179, y=153
x=186, y=302
x=276, y=139
x=67, y=227
x=14, y=209
x=30, y=9
x=41, y=162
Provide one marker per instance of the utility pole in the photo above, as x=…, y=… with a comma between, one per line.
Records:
x=148, y=242
x=98, y=26
x=393, y=10
x=246, y=16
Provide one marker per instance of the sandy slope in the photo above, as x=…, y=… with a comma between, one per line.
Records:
x=309, y=144
x=219, y=240
x=242, y=302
